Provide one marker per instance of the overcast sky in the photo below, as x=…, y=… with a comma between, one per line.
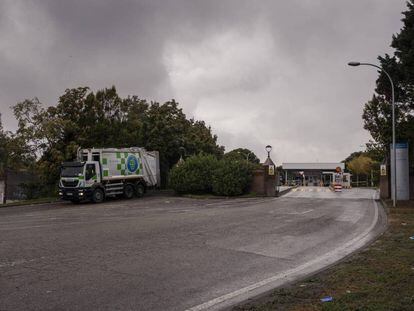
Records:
x=259, y=72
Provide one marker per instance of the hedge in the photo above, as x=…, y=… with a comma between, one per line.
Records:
x=202, y=174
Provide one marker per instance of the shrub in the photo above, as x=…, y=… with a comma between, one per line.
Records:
x=231, y=177
x=194, y=175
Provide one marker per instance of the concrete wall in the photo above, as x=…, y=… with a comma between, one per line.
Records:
x=385, y=186
x=2, y=191
x=14, y=179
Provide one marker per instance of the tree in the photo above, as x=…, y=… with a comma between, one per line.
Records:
x=377, y=112
x=242, y=154
x=85, y=119
x=14, y=152
x=352, y=156
x=3, y=148
x=361, y=164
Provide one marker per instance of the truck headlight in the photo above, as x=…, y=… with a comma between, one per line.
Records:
x=60, y=193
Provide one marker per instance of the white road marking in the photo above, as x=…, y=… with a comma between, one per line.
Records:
x=300, y=213
x=318, y=262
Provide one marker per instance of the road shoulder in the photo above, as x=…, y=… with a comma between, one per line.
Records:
x=378, y=277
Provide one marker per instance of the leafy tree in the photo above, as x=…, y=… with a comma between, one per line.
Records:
x=164, y=129
x=242, y=154
x=377, y=112
x=352, y=156
x=14, y=152
x=361, y=164
x=3, y=148
x=84, y=119
x=199, y=138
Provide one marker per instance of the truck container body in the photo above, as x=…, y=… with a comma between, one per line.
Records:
x=103, y=172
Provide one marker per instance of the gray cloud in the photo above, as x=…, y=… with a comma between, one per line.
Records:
x=258, y=72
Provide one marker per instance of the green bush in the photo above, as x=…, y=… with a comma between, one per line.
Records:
x=231, y=177
x=194, y=175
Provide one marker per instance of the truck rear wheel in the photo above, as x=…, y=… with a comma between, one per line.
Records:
x=129, y=191
x=98, y=196
x=140, y=190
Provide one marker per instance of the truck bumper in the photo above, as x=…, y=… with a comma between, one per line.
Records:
x=75, y=194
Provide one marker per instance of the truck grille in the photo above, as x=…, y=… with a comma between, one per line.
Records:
x=66, y=183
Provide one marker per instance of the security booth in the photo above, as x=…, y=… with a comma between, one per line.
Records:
x=310, y=174
x=346, y=181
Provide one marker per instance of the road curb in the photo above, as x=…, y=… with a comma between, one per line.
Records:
x=18, y=204
x=286, y=191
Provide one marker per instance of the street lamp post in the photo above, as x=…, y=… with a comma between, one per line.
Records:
x=268, y=149
x=394, y=162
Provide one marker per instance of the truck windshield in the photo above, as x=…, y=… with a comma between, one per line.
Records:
x=71, y=171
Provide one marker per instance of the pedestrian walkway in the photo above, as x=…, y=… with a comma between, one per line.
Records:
x=311, y=189
x=327, y=193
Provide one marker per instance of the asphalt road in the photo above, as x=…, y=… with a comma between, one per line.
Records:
x=167, y=253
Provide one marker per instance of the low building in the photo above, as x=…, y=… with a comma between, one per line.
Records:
x=310, y=174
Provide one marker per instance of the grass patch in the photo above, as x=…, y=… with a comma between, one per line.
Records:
x=381, y=277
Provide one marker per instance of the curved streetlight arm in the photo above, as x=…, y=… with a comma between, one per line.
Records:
x=394, y=162
x=386, y=73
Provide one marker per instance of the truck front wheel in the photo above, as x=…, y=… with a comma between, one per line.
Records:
x=129, y=191
x=98, y=196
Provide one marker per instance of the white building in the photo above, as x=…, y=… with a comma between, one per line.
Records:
x=310, y=174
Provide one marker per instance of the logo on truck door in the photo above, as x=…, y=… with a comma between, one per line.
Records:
x=132, y=163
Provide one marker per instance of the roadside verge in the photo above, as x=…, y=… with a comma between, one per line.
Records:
x=379, y=277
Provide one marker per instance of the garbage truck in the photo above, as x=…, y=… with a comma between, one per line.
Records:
x=99, y=173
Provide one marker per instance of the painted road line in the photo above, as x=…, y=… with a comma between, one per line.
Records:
x=289, y=275
x=300, y=213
